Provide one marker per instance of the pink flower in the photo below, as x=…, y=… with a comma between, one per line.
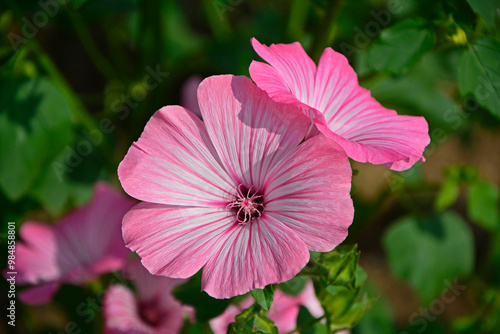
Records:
x=342, y=110
x=86, y=243
x=154, y=310
x=237, y=194
x=284, y=310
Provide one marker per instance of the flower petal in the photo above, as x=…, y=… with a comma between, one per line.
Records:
x=174, y=241
x=366, y=130
x=36, y=254
x=295, y=68
x=259, y=253
x=250, y=132
x=308, y=191
x=369, y=132
x=173, y=162
x=89, y=239
x=38, y=295
x=121, y=314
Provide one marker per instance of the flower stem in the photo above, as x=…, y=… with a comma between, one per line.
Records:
x=326, y=30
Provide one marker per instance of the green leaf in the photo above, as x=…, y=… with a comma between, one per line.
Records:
x=341, y=266
x=479, y=73
x=448, y=194
x=377, y=320
x=307, y=324
x=483, y=205
x=430, y=251
x=252, y=320
x=35, y=126
x=264, y=297
x=294, y=286
x=343, y=307
x=400, y=46
x=488, y=9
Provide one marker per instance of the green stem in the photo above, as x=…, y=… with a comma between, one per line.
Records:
x=216, y=11
x=326, y=29
x=100, y=62
x=297, y=18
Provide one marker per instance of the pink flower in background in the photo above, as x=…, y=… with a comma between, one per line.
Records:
x=284, y=310
x=237, y=194
x=153, y=310
x=84, y=244
x=342, y=110
x=189, y=100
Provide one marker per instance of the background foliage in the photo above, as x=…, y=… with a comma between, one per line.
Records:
x=74, y=96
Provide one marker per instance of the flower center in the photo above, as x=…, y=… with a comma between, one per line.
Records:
x=247, y=205
x=150, y=313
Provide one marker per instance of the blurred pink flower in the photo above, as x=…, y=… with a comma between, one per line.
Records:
x=153, y=310
x=342, y=110
x=236, y=194
x=189, y=100
x=86, y=243
x=284, y=310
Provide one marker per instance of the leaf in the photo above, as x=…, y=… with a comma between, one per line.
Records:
x=377, y=320
x=448, y=194
x=430, y=251
x=341, y=266
x=344, y=307
x=308, y=323
x=488, y=9
x=479, y=73
x=483, y=205
x=294, y=286
x=264, y=297
x=35, y=126
x=400, y=46
x=252, y=320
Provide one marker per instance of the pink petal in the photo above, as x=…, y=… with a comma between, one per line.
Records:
x=150, y=286
x=189, y=98
x=261, y=252
x=285, y=307
x=121, y=314
x=308, y=191
x=173, y=162
x=220, y=324
x=40, y=294
x=174, y=241
x=295, y=69
x=367, y=131
x=371, y=132
x=310, y=301
x=89, y=239
x=250, y=132
x=36, y=254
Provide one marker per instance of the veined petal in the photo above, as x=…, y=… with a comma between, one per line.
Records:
x=174, y=163
x=369, y=132
x=259, y=253
x=250, y=132
x=308, y=191
x=175, y=241
x=366, y=130
x=292, y=64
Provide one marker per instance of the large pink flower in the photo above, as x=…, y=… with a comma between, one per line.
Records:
x=237, y=194
x=284, y=310
x=154, y=310
x=86, y=243
x=342, y=110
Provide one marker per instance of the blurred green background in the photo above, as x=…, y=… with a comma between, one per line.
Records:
x=80, y=78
